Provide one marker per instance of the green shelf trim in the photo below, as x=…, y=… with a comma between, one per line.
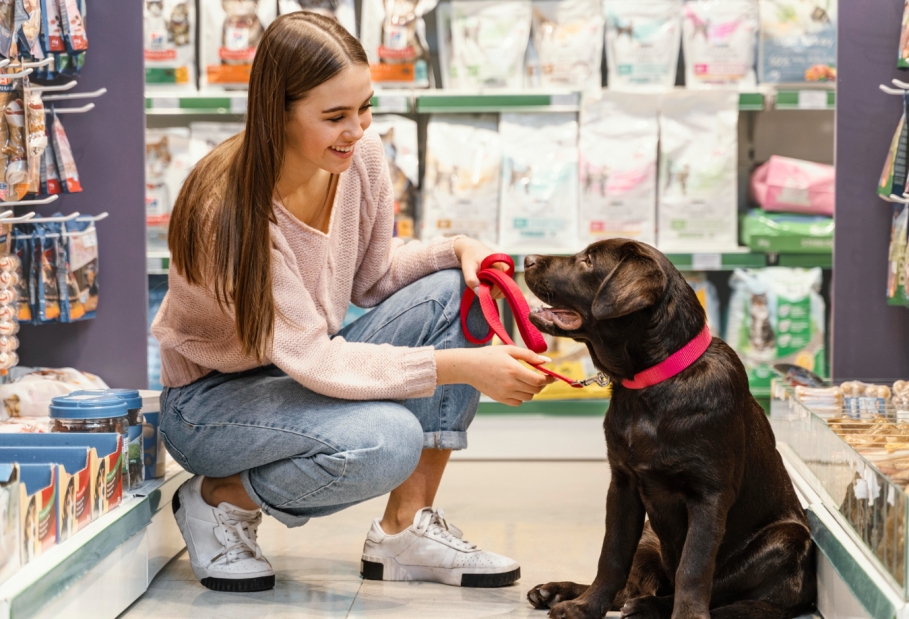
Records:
x=555, y=408
x=706, y=261
x=752, y=102
x=493, y=103
x=792, y=99
x=825, y=261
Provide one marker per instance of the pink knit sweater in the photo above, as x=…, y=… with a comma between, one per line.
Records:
x=315, y=277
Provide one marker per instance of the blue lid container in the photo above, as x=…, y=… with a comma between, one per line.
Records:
x=130, y=396
x=87, y=406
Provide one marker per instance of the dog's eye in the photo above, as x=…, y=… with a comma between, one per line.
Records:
x=587, y=261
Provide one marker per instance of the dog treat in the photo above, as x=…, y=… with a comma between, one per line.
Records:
x=698, y=186
x=167, y=164
x=52, y=28
x=169, y=32
x=399, y=137
x=539, y=204
x=341, y=10
x=29, y=31
x=66, y=165
x=74, y=35
x=798, y=41
x=642, y=43
x=568, y=43
x=393, y=34
x=21, y=248
x=45, y=246
x=49, y=178
x=230, y=33
x=461, y=182
x=893, y=176
x=7, y=27
x=82, y=259
x=15, y=149
x=719, y=39
x=618, y=160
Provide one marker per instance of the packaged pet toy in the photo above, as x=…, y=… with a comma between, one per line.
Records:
x=170, y=43
x=393, y=34
x=798, y=41
x=341, y=10
x=82, y=260
x=399, y=137
x=568, y=41
x=642, y=43
x=719, y=38
x=167, y=163
x=230, y=33
x=461, y=181
x=618, y=151
x=66, y=165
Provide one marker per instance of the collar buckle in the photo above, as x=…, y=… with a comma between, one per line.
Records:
x=601, y=380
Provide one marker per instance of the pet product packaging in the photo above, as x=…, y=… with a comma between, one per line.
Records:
x=488, y=42
x=51, y=29
x=167, y=164
x=136, y=421
x=46, y=245
x=31, y=394
x=203, y=137
x=15, y=140
x=38, y=508
x=568, y=42
x=66, y=165
x=618, y=160
x=152, y=441
x=776, y=315
x=903, y=60
x=798, y=41
x=708, y=298
x=787, y=233
x=29, y=31
x=539, y=205
x=21, y=248
x=896, y=256
x=170, y=43
x=698, y=189
x=642, y=43
x=393, y=34
x=399, y=138
x=10, y=530
x=49, y=178
x=795, y=186
x=461, y=182
x=341, y=10
x=893, y=177
x=230, y=32
x=82, y=261
x=72, y=13
x=719, y=38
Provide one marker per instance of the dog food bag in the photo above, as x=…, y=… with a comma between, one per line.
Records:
x=539, y=205
x=708, y=297
x=776, y=315
x=568, y=43
x=642, y=43
x=203, y=137
x=342, y=11
x=167, y=163
x=798, y=41
x=488, y=42
x=698, y=188
x=393, y=33
x=618, y=167
x=893, y=177
x=719, y=38
x=170, y=43
x=66, y=165
x=399, y=137
x=230, y=32
x=461, y=181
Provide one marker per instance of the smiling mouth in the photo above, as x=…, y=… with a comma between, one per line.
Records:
x=566, y=320
x=342, y=149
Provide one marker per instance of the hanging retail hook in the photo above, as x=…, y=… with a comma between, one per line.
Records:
x=4, y=62
x=76, y=95
x=18, y=220
x=47, y=220
x=36, y=65
x=46, y=200
x=10, y=76
x=5, y=214
x=94, y=218
x=70, y=110
x=58, y=88
x=892, y=91
x=898, y=199
x=899, y=84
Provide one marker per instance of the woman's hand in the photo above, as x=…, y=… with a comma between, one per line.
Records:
x=471, y=254
x=495, y=371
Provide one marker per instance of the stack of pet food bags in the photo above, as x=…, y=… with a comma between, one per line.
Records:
x=892, y=188
x=33, y=30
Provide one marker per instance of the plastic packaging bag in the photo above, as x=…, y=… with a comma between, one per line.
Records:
x=82, y=259
x=461, y=182
x=341, y=10
x=31, y=394
x=794, y=185
x=798, y=41
x=698, y=191
x=784, y=232
x=488, y=42
x=203, y=137
x=230, y=32
x=399, y=137
x=896, y=166
x=20, y=247
x=719, y=38
x=66, y=165
x=170, y=43
x=568, y=42
x=896, y=256
x=642, y=43
x=618, y=150
x=393, y=34
x=29, y=31
x=539, y=205
x=903, y=60
x=167, y=163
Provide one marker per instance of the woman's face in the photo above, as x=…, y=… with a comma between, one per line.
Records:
x=325, y=126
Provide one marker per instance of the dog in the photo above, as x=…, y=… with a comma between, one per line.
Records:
x=726, y=536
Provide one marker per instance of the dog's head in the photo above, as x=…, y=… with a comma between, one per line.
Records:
x=624, y=299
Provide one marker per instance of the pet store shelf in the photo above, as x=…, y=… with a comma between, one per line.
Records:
x=234, y=103
x=435, y=102
x=825, y=261
x=107, y=565
x=157, y=262
x=805, y=100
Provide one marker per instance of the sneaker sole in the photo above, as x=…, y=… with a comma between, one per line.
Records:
x=390, y=570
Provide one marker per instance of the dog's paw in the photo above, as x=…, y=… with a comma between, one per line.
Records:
x=575, y=609
x=548, y=595
x=649, y=607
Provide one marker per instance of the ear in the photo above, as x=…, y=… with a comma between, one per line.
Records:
x=637, y=282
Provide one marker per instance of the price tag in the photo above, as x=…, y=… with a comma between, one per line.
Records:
x=396, y=104
x=813, y=100
x=238, y=105
x=159, y=103
x=706, y=262
x=563, y=99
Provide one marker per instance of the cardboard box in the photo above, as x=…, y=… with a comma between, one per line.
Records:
x=38, y=508
x=10, y=531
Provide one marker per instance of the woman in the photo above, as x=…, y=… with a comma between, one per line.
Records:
x=268, y=401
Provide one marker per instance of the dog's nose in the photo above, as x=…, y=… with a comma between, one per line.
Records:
x=530, y=261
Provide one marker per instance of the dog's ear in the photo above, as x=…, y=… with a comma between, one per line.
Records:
x=637, y=282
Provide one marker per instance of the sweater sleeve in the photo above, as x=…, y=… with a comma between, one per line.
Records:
x=388, y=264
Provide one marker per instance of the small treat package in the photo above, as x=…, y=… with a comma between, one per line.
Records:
x=167, y=163
x=862, y=400
x=342, y=11
x=896, y=256
x=170, y=43
x=399, y=137
x=28, y=29
x=66, y=165
x=50, y=179
x=568, y=42
x=642, y=43
x=36, y=138
x=82, y=259
x=7, y=28
x=393, y=34
x=45, y=245
x=896, y=167
x=52, y=28
x=230, y=33
x=719, y=38
x=15, y=150
x=798, y=41
x=74, y=36
x=203, y=137
x=20, y=279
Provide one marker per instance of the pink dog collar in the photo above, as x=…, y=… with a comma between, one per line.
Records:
x=677, y=362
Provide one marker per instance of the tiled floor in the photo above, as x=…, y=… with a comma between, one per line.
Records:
x=547, y=515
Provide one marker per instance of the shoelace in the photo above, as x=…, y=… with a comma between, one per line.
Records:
x=239, y=537
x=433, y=522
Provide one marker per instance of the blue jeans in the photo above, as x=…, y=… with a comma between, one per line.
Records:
x=301, y=454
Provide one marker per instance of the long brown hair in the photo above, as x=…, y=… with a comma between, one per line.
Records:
x=219, y=230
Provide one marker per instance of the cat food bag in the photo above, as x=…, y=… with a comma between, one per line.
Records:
x=167, y=164
x=719, y=38
x=461, y=181
x=708, y=297
x=82, y=261
x=798, y=41
x=399, y=137
x=697, y=207
x=341, y=10
x=488, y=42
x=230, y=32
x=618, y=167
x=642, y=43
x=776, y=315
x=539, y=205
x=169, y=32
x=66, y=165
x=203, y=137
x=896, y=166
x=393, y=33
x=568, y=43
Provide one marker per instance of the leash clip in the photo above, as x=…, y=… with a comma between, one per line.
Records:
x=600, y=379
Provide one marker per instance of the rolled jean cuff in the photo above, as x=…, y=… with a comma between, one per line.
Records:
x=288, y=520
x=445, y=440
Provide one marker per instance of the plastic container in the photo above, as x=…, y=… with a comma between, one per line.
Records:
x=152, y=443
x=135, y=452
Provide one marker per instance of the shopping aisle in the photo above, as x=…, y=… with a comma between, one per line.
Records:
x=547, y=515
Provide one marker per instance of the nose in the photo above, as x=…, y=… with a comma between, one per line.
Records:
x=530, y=261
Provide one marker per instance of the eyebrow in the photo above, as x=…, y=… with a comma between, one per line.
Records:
x=343, y=108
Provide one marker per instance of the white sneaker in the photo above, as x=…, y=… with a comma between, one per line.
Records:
x=433, y=550
x=222, y=542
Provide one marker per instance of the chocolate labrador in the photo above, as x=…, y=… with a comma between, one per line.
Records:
x=701, y=516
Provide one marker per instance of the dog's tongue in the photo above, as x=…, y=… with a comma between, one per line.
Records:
x=564, y=319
